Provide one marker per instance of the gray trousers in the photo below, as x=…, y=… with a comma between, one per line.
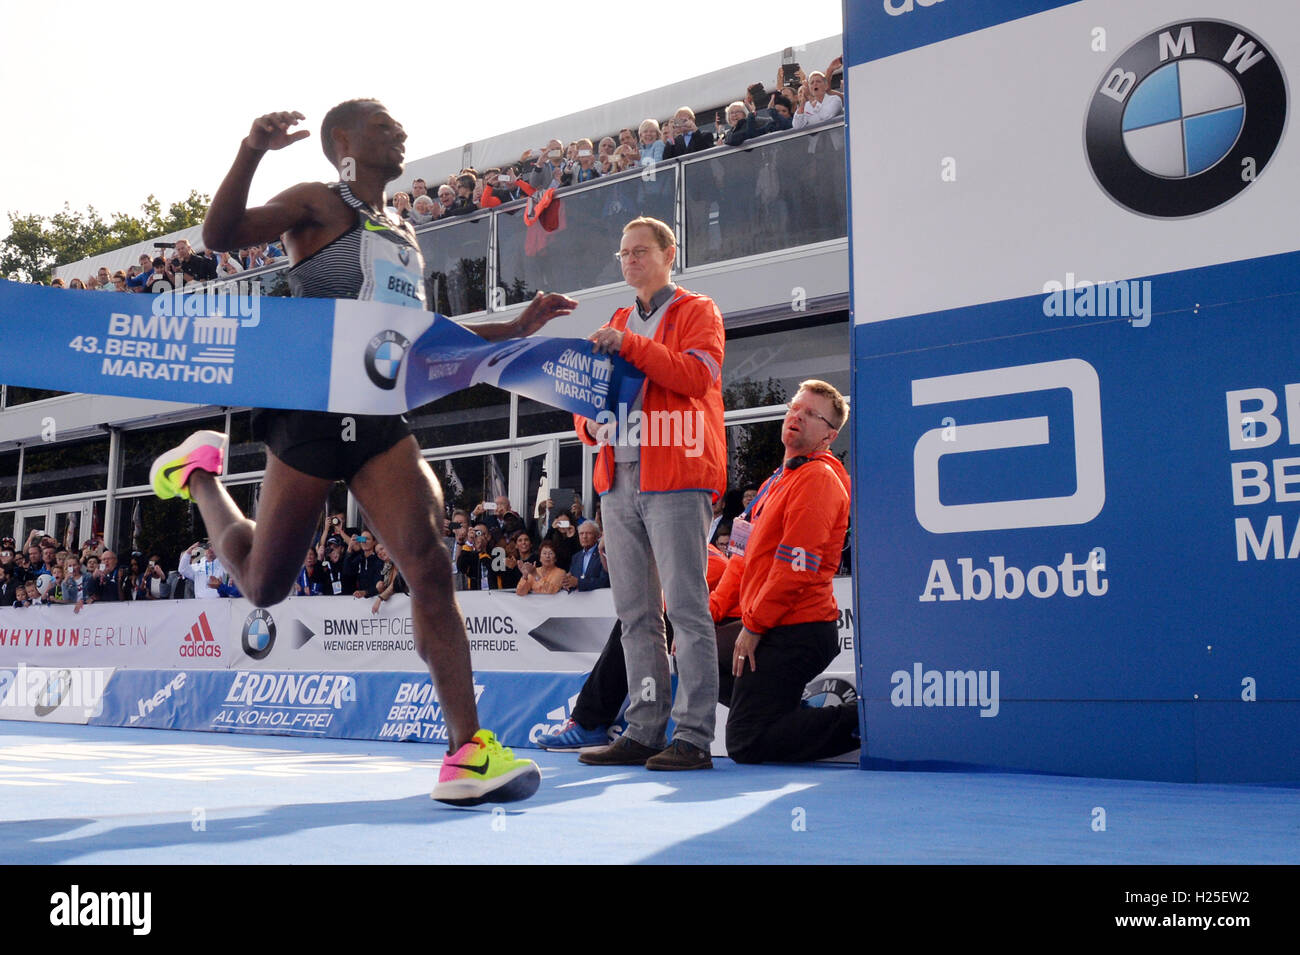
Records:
x=657, y=552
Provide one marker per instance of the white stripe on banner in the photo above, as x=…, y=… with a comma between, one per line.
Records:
x=306, y=354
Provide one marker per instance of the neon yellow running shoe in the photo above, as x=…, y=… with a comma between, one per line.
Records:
x=485, y=771
x=203, y=450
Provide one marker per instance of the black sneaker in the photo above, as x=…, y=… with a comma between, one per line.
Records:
x=624, y=751
x=680, y=755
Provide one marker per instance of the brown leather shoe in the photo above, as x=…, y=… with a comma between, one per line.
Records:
x=624, y=751
x=680, y=755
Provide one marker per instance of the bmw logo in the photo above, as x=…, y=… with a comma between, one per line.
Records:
x=1186, y=119
x=56, y=691
x=404, y=254
x=384, y=356
x=259, y=634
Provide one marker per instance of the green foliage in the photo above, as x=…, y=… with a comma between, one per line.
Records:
x=36, y=244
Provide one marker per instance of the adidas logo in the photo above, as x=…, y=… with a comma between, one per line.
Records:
x=200, y=642
x=557, y=717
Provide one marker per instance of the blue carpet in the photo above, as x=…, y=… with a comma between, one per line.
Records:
x=94, y=795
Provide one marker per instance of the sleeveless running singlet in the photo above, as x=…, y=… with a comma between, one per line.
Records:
x=377, y=260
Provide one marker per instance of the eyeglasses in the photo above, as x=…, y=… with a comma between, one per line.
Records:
x=638, y=254
x=800, y=409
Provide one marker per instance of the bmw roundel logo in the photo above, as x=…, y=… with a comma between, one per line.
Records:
x=259, y=634
x=1186, y=118
x=384, y=356
x=404, y=254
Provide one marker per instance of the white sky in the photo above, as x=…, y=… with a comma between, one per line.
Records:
x=106, y=103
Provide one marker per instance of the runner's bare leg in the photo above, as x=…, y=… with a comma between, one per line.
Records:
x=264, y=556
x=403, y=506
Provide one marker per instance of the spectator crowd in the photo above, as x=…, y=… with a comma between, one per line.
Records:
x=795, y=101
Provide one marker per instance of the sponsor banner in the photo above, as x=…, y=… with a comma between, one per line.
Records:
x=1151, y=138
x=395, y=706
x=1077, y=391
x=544, y=632
x=156, y=633
x=52, y=695
x=561, y=633
x=228, y=346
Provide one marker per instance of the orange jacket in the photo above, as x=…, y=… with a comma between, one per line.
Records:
x=793, y=550
x=684, y=445
x=715, y=568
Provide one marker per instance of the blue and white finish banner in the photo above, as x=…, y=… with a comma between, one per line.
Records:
x=224, y=347
x=397, y=707
x=1076, y=369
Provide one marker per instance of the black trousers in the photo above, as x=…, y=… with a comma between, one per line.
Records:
x=766, y=722
x=603, y=694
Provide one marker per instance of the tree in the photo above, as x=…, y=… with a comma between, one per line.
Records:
x=36, y=244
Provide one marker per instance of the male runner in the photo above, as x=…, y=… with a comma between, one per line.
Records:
x=343, y=245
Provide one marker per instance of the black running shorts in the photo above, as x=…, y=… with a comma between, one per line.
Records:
x=325, y=445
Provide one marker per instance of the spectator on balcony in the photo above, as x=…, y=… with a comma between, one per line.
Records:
x=77, y=283
x=564, y=538
x=520, y=560
x=456, y=543
x=103, y=279
x=687, y=137
x=586, y=169
x=132, y=583
x=744, y=124
x=627, y=138
x=390, y=581
x=548, y=168
x=140, y=281
x=72, y=589
x=606, y=149
x=226, y=265
x=544, y=578
x=502, y=516
x=107, y=585
x=9, y=585
x=332, y=568
x=199, y=563
x=156, y=585
x=503, y=185
x=480, y=565
x=160, y=279
x=446, y=198
x=424, y=211
x=587, y=570
x=652, y=145
x=197, y=267
x=366, y=565
x=402, y=205
x=312, y=579
x=782, y=111
x=464, y=203
x=418, y=188
x=816, y=105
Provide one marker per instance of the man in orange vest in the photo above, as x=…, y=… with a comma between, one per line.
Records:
x=785, y=551
x=662, y=463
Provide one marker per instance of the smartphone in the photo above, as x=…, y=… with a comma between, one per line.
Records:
x=490, y=506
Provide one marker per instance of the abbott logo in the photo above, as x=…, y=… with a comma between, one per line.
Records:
x=1090, y=479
